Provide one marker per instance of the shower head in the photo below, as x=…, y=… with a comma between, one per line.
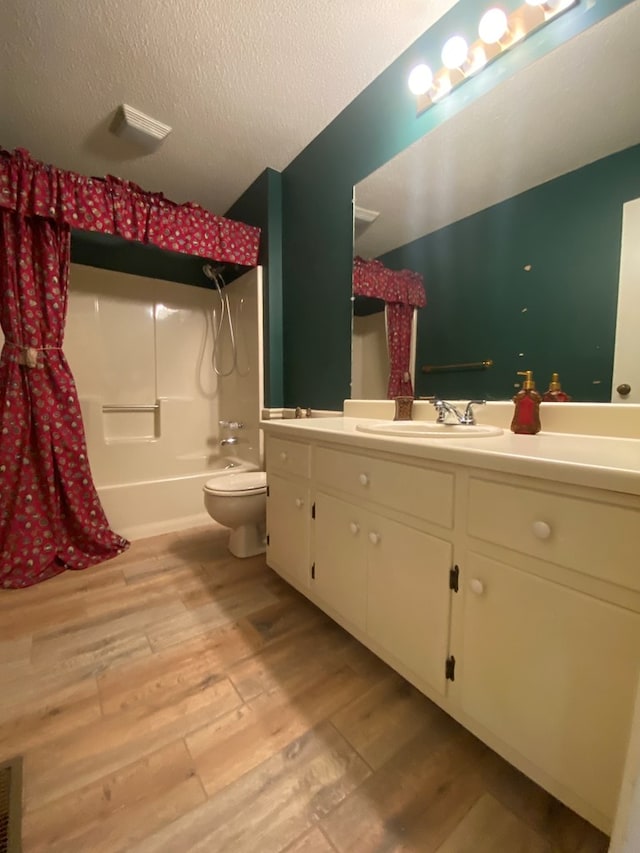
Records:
x=213, y=273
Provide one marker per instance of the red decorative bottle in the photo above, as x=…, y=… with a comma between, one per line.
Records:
x=526, y=418
x=554, y=393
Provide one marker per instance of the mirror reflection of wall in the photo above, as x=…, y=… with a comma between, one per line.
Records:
x=512, y=212
x=370, y=363
x=370, y=357
x=626, y=365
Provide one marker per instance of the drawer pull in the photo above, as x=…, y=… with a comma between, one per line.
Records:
x=374, y=538
x=364, y=479
x=283, y=456
x=354, y=528
x=476, y=586
x=299, y=502
x=541, y=529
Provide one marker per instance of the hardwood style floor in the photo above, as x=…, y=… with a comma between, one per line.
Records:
x=179, y=699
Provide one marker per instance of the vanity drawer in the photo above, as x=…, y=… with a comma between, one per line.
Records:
x=288, y=457
x=596, y=539
x=421, y=492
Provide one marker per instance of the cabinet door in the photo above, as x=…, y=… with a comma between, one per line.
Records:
x=288, y=527
x=408, y=597
x=340, y=557
x=552, y=672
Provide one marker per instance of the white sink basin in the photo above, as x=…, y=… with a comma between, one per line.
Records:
x=428, y=429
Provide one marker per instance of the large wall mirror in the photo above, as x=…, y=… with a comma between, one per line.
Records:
x=512, y=211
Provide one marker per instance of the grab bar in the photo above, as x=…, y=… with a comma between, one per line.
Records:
x=138, y=407
x=467, y=365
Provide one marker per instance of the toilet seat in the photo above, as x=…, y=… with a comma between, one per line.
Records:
x=238, y=484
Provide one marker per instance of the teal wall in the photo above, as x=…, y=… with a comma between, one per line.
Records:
x=569, y=231
x=261, y=205
x=318, y=187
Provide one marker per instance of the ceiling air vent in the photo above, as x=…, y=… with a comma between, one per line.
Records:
x=363, y=218
x=139, y=128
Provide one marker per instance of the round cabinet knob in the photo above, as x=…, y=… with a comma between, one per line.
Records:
x=364, y=479
x=283, y=456
x=299, y=502
x=476, y=586
x=541, y=529
x=354, y=528
x=374, y=538
x=624, y=390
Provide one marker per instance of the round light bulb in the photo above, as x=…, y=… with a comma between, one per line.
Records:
x=454, y=52
x=420, y=79
x=493, y=25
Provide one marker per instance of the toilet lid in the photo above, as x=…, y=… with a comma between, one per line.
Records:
x=241, y=483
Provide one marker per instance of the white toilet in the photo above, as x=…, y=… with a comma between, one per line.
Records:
x=239, y=500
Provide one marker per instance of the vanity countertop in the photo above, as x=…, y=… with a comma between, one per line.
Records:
x=583, y=460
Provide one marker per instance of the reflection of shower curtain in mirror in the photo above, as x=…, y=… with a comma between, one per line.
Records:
x=399, y=325
x=402, y=290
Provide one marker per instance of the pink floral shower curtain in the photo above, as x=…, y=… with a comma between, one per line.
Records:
x=402, y=291
x=51, y=518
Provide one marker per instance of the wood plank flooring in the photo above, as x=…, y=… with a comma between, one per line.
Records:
x=179, y=699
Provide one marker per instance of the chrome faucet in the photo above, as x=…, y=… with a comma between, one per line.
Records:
x=225, y=441
x=445, y=410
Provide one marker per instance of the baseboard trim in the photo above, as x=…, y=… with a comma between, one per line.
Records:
x=170, y=525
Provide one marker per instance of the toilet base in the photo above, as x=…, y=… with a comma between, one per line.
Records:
x=248, y=540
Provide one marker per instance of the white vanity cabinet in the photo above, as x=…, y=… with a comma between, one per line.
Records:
x=340, y=559
x=552, y=673
x=408, y=599
x=382, y=575
x=289, y=510
x=547, y=631
x=511, y=601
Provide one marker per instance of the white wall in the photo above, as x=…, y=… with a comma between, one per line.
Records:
x=369, y=358
x=137, y=341
x=625, y=837
x=239, y=391
x=626, y=361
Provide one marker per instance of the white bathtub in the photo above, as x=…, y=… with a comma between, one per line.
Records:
x=150, y=507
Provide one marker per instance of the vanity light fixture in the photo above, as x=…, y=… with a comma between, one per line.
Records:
x=454, y=53
x=498, y=32
x=420, y=79
x=493, y=26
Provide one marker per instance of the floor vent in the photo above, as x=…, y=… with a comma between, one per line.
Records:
x=10, y=806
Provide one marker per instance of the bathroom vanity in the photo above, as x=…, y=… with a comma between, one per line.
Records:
x=499, y=574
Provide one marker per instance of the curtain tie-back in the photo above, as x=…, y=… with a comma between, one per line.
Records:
x=28, y=356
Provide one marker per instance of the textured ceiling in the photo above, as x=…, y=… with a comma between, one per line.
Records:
x=245, y=84
x=570, y=108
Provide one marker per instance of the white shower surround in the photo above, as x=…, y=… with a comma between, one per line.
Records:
x=133, y=341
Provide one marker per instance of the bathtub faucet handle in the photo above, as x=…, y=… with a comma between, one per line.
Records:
x=231, y=424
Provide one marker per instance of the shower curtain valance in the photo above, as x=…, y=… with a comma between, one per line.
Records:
x=372, y=278
x=113, y=206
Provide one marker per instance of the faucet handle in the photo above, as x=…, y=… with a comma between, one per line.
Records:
x=469, y=417
x=440, y=408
